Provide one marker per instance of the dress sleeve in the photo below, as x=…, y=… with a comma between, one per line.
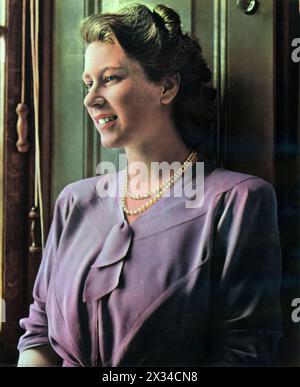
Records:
x=36, y=323
x=246, y=277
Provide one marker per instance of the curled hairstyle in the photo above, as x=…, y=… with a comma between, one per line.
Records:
x=156, y=41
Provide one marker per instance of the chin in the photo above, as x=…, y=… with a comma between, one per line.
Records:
x=111, y=144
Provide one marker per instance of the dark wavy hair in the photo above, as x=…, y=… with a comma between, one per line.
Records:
x=155, y=40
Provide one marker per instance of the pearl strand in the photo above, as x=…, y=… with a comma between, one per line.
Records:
x=163, y=188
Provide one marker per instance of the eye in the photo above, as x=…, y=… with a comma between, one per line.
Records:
x=110, y=78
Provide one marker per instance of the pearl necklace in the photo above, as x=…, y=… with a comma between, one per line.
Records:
x=156, y=194
x=161, y=186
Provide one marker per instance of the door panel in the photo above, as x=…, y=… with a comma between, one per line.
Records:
x=250, y=74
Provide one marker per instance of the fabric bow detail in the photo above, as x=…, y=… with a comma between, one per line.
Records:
x=104, y=274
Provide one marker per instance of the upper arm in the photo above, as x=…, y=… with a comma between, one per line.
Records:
x=36, y=325
x=246, y=275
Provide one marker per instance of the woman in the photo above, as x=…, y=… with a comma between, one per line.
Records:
x=143, y=280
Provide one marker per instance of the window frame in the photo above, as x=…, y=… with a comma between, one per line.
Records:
x=19, y=265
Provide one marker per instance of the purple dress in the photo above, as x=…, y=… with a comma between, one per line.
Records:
x=177, y=287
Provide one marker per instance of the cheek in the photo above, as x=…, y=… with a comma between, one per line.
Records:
x=138, y=102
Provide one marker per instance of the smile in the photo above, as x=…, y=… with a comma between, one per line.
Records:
x=103, y=121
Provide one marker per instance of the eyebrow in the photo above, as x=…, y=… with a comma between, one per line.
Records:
x=87, y=76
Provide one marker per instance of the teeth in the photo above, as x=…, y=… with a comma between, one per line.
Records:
x=106, y=119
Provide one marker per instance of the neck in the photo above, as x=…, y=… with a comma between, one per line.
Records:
x=168, y=148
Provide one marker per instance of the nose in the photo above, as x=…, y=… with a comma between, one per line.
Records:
x=93, y=100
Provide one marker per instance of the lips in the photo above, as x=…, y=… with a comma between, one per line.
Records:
x=103, y=116
x=102, y=122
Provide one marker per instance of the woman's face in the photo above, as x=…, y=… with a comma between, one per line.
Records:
x=123, y=104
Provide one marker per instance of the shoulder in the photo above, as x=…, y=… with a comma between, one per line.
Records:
x=232, y=183
x=92, y=198
x=84, y=190
x=82, y=187
x=224, y=187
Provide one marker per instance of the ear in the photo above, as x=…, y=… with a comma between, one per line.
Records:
x=170, y=87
